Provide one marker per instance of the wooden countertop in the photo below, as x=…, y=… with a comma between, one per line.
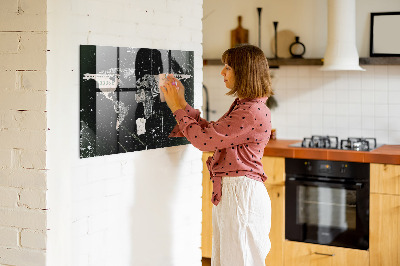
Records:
x=389, y=154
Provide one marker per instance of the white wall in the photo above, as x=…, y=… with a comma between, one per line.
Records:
x=306, y=19
x=311, y=102
x=140, y=208
x=23, y=133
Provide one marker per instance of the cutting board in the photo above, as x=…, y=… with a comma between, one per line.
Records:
x=239, y=35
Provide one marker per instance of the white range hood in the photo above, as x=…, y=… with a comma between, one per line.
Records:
x=341, y=51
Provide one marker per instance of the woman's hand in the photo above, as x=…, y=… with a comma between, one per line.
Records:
x=172, y=94
x=181, y=90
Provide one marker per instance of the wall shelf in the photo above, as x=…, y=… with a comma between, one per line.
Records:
x=380, y=61
x=274, y=63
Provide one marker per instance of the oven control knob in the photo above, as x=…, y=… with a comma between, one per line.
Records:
x=343, y=168
x=308, y=166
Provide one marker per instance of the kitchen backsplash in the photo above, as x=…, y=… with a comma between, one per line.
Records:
x=314, y=102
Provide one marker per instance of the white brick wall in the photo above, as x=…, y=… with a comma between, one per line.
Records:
x=115, y=210
x=23, y=132
x=140, y=208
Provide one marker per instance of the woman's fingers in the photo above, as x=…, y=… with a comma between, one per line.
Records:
x=179, y=87
x=172, y=89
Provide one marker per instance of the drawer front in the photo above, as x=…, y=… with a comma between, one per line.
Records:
x=297, y=253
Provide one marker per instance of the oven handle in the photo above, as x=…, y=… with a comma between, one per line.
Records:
x=357, y=185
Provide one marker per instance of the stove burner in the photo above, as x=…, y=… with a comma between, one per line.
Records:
x=358, y=144
x=328, y=142
x=332, y=142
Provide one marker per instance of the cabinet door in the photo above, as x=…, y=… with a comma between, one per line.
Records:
x=274, y=168
x=385, y=178
x=206, y=232
x=304, y=254
x=384, y=230
x=277, y=233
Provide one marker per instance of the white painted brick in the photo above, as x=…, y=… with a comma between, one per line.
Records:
x=31, y=55
x=196, y=37
x=196, y=10
x=22, y=218
x=8, y=197
x=98, y=253
x=8, y=237
x=15, y=139
x=20, y=61
x=33, y=199
x=98, y=222
x=33, y=159
x=140, y=6
x=34, y=7
x=5, y=158
x=17, y=256
x=177, y=7
x=192, y=23
x=80, y=227
x=8, y=6
x=169, y=21
x=9, y=42
x=23, y=22
x=79, y=176
x=96, y=173
x=23, y=178
x=103, y=9
x=31, y=80
x=23, y=100
x=33, y=239
x=34, y=120
x=114, y=186
x=7, y=80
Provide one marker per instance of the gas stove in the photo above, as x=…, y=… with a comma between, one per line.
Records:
x=332, y=142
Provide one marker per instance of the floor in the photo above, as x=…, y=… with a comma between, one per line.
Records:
x=206, y=261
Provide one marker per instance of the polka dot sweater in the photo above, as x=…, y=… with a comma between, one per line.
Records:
x=238, y=139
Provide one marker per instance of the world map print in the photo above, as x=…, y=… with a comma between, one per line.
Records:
x=121, y=107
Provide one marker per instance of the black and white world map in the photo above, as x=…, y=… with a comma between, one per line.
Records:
x=121, y=108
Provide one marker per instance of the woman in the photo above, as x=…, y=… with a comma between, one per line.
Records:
x=242, y=211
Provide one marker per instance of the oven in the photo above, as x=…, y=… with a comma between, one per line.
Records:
x=327, y=202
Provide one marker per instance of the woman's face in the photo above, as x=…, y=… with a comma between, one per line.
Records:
x=229, y=76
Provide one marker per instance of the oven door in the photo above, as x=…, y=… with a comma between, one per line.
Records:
x=327, y=213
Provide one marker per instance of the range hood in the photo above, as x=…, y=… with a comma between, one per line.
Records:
x=341, y=51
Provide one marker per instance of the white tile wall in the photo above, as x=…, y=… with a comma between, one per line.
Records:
x=313, y=102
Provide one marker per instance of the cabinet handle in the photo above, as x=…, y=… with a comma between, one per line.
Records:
x=324, y=254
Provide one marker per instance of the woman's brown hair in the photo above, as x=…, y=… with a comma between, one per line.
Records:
x=250, y=66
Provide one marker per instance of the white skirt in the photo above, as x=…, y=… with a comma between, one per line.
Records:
x=241, y=223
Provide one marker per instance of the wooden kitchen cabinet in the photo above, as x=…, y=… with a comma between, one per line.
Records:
x=385, y=215
x=277, y=233
x=384, y=236
x=274, y=168
x=385, y=178
x=206, y=225
x=305, y=254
